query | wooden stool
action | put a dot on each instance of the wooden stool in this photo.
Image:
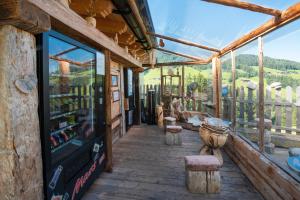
(202, 174)
(173, 136)
(169, 121)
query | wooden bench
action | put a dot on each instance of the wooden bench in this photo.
(202, 174)
(173, 135)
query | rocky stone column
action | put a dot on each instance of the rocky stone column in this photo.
(20, 145)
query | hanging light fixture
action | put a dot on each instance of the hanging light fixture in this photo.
(161, 43)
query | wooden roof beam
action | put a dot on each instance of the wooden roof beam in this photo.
(179, 54)
(184, 42)
(136, 13)
(70, 23)
(247, 6)
(288, 15)
(66, 51)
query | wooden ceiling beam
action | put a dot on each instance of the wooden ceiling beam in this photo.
(290, 14)
(70, 23)
(179, 54)
(184, 42)
(246, 6)
(136, 13)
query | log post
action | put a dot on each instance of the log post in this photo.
(182, 90)
(161, 84)
(289, 108)
(261, 103)
(298, 108)
(108, 137)
(216, 71)
(137, 110)
(242, 106)
(21, 167)
(278, 109)
(250, 103)
(233, 111)
(268, 104)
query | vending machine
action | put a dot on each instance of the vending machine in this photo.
(72, 115)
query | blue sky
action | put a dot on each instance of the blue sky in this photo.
(216, 25)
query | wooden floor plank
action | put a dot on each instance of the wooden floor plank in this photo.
(146, 168)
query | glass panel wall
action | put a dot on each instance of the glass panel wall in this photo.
(282, 96)
(226, 92)
(247, 91)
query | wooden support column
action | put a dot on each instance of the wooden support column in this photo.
(182, 91)
(161, 83)
(137, 110)
(219, 73)
(261, 124)
(217, 81)
(233, 111)
(108, 119)
(21, 166)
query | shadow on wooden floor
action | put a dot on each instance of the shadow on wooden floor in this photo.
(146, 168)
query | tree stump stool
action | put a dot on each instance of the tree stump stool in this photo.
(202, 174)
(269, 146)
(169, 121)
(173, 135)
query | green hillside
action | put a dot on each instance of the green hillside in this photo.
(276, 70)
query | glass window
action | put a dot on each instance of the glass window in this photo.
(202, 22)
(71, 97)
(282, 95)
(247, 90)
(226, 93)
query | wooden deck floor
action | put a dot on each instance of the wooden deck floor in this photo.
(145, 168)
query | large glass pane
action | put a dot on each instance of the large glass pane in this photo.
(71, 97)
(202, 22)
(226, 87)
(247, 90)
(282, 95)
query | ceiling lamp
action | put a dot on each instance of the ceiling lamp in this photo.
(161, 43)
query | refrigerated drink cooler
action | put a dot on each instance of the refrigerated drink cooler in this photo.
(71, 77)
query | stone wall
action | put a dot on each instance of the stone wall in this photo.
(20, 146)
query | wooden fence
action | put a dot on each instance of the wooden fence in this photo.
(188, 104)
(282, 108)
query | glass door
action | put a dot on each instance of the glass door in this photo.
(71, 97)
